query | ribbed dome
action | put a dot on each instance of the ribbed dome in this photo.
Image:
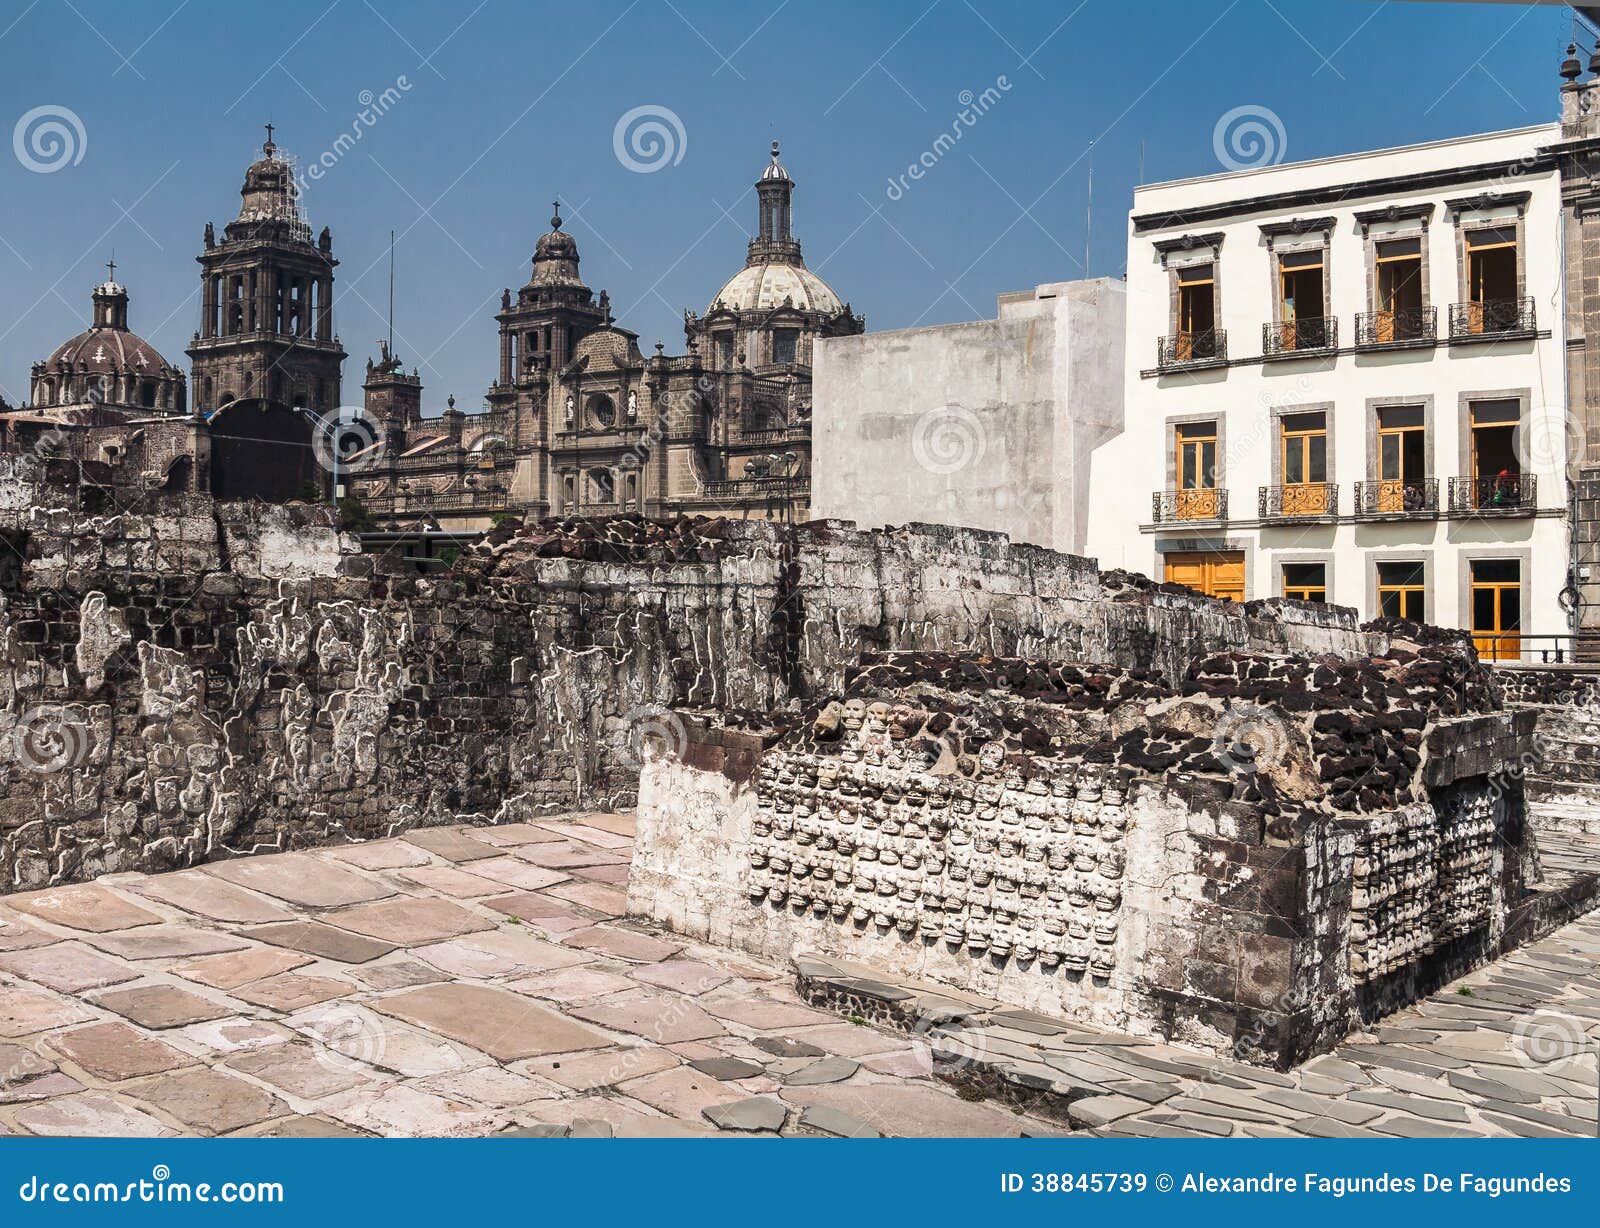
(107, 351)
(761, 287)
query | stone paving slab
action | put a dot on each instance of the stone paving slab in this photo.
(87, 906)
(205, 895)
(478, 981)
(323, 941)
(306, 879)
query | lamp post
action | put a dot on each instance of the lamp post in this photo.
(329, 427)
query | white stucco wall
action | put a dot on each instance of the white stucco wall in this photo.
(984, 425)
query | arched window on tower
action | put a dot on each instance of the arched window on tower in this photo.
(147, 393)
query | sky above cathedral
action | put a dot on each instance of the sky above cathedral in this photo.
(942, 149)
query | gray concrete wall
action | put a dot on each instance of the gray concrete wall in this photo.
(985, 425)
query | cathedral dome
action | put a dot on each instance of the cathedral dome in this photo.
(108, 347)
(109, 351)
(761, 287)
(107, 362)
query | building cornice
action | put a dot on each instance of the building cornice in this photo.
(1488, 200)
(1184, 243)
(1395, 213)
(1334, 194)
(1297, 226)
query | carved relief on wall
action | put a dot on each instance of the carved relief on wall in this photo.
(883, 832)
(1423, 876)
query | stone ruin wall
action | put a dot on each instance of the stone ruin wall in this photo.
(1562, 770)
(200, 680)
(1109, 870)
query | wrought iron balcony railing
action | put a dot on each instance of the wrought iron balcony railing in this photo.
(1304, 335)
(1405, 326)
(1210, 503)
(1492, 318)
(1298, 501)
(1192, 349)
(1398, 497)
(1510, 493)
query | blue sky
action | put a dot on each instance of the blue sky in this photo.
(506, 104)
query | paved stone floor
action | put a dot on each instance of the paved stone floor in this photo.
(482, 980)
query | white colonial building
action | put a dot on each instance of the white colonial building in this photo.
(1345, 382)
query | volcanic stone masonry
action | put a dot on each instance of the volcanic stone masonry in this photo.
(185, 679)
(1248, 861)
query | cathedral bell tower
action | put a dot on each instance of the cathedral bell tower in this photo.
(266, 324)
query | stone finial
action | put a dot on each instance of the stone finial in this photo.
(1594, 59)
(1571, 70)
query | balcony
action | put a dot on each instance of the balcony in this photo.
(1304, 501)
(1188, 351)
(1182, 506)
(1304, 337)
(1397, 498)
(1398, 329)
(1506, 494)
(767, 487)
(1492, 320)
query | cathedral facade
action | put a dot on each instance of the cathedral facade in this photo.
(578, 420)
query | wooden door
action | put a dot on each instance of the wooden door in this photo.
(1214, 573)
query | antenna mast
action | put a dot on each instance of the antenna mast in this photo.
(391, 292)
(1088, 221)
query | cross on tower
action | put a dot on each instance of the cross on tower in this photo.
(268, 145)
(111, 270)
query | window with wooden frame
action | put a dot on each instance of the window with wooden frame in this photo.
(1305, 581)
(1402, 458)
(1398, 286)
(1197, 312)
(1496, 466)
(1196, 464)
(1401, 590)
(1301, 323)
(1497, 608)
(1491, 278)
(1304, 454)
